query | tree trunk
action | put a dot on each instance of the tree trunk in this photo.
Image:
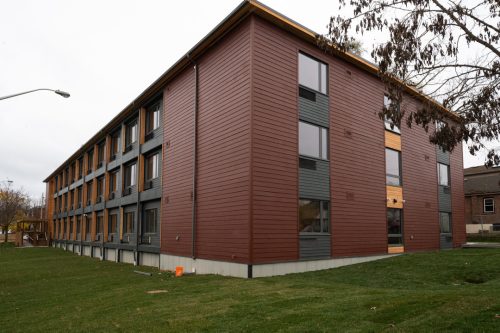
(6, 232)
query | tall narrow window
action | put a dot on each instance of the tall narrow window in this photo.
(115, 144)
(100, 154)
(112, 223)
(80, 167)
(100, 189)
(113, 178)
(313, 74)
(90, 161)
(445, 222)
(89, 193)
(389, 105)
(79, 196)
(152, 166)
(130, 176)
(393, 167)
(78, 227)
(153, 117)
(88, 224)
(488, 205)
(313, 141)
(314, 216)
(99, 224)
(443, 174)
(394, 227)
(128, 222)
(150, 221)
(130, 134)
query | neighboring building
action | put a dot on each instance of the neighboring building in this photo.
(258, 154)
(482, 195)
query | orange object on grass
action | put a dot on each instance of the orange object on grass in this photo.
(179, 271)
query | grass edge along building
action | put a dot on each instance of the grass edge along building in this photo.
(258, 154)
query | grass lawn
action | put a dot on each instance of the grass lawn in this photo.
(49, 290)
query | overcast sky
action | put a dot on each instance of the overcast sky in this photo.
(105, 53)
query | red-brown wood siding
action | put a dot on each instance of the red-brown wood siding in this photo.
(177, 170)
(357, 162)
(457, 196)
(420, 189)
(274, 145)
(224, 149)
(223, 154)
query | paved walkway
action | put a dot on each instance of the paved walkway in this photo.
(481, 245)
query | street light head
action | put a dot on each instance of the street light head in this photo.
(62, 93)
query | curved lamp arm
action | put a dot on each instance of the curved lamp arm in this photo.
(59, 92)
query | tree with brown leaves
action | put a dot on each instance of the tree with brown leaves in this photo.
(447, 49)
(13, 204)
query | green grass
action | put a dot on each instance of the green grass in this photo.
(49, 290)
(488, 238)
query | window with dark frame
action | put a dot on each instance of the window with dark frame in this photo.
(99, 224)
(89, 192)
(389, 124)
(313, 141)
(443, 174)
(112, 223)
(113, 177)
(79, 193)
(313, 74)
(445, 222)
(88, 226)
(392, 167)
(394, 227)
(314, 216)
(153, 117)
(78, 227)
(152, 168)
(129, 177)
(100, 154)
(150, 221)
(72, 200)
(488, 205)
(115, 144)
(128, 222)
(80, 168)
(130, 134)
(90, 161)
(100, 189)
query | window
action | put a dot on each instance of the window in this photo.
(113, 183)
(150, 218)
(66, 177)
(314, 216)
(89, 192)
(100, 154)
(443, 174)
(73, 172)
(80, 167)
(394, 227)
(71, 200)
(130, 175)
(78, 226)
(445, 222)
(100, 188)
(153, 117)
(55, 186)
(90, 161)
(131, 133)
(115, 144)
(99, 224)
(65, 202)
(128, 222)
(313, 141)
(389, 124)
(312, 74)
(88, 223)
(112, 223)
(392, 167)
(152, 166)
(65, 228)
(488, 205)
(70, 227)
(79, 196)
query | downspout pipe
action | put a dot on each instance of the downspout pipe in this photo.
(195, 158)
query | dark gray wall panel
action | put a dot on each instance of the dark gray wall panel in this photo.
(444, 199)
(442, 157)
(315, 112)
(315, 184)
(152, 143)
(314, 246)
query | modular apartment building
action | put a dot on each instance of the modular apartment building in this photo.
(258, 154)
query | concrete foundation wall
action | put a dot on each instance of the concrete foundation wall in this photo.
(127, 256)
(149, 259)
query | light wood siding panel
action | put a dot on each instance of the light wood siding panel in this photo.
(392, 140)
(223, 206)
(395, 197)
(420, 214)
(315, 184)
(274, 145)
(457, 196)
(314, 112)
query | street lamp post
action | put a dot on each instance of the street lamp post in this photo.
(59, 92)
